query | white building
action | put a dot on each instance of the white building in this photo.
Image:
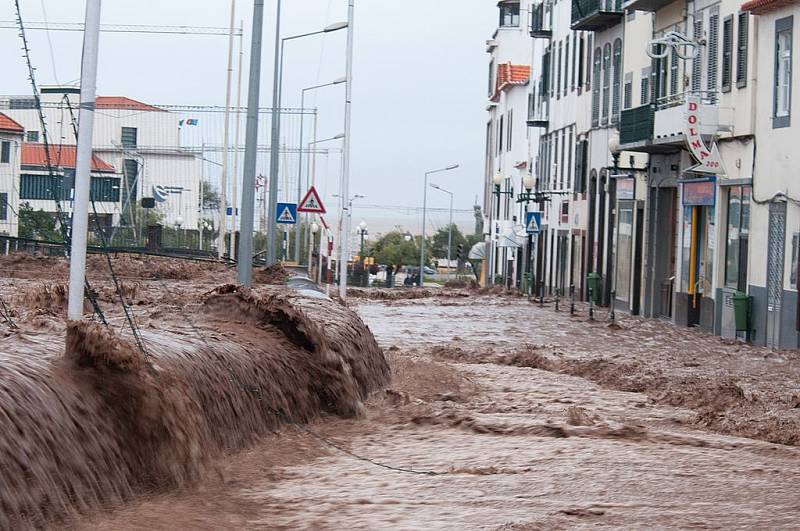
(767, 241)
(507, 160)
(11, 134)
(141, 142)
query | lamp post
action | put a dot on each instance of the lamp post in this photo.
(300, 163)
(450, 226)
(344, 224)
(613, 147)
(274, 167)
(314, 230)
(528, 183)
(424, 219)
(497, 181)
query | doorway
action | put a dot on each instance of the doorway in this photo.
(775, 265)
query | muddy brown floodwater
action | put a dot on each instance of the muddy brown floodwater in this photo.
(530, 420)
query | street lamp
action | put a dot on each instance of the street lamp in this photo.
(497, 181)
(449, 227)
(300, 164)
(613, 147)
(424, 215)
(276, 120)
(346, 220)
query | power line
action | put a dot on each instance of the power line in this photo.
(126, 28)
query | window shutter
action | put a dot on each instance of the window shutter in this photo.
(697, 63)
(741, 49)
(615, 97)
(606, 82)
(628, 94)
(713, 52)
(596, 89)
(673, 73)
(578, 165)
(727, 52)
(546, 73)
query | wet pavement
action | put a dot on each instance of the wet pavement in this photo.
(504, 415)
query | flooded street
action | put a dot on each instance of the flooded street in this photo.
(504, 415)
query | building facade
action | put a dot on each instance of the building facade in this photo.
(662, 168)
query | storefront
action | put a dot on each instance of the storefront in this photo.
(694, 303)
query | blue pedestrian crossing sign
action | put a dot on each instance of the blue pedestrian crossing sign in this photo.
(533, 222)
(286, 214)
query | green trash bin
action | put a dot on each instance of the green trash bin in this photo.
(593, 284)
(741, 307)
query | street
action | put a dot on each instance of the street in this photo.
(504, 415)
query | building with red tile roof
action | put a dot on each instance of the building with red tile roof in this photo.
(8, 125)
(62, 156)
(510, 75)
(759, 7)
(123, 103)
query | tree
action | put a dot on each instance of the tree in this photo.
(38, 224)
(211, 199)
(392, 248)
(439, 245)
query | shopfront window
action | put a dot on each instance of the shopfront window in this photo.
(737, 237)
(624, 249)
(699, 237)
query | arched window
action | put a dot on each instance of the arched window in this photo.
(615, 96)
(596, 88)
(606, 81)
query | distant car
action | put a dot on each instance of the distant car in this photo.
(429, 271)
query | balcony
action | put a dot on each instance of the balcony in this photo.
(646, 5)
(596, 15)
(541, 26)
(659, 128)
(539, 117)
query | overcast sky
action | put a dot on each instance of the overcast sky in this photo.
(419, 79)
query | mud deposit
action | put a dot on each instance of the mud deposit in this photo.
(99, 422)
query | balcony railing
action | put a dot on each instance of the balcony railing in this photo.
(596, 15)
(636, 125)
(541, 27)
(539, 117)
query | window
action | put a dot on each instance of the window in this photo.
(129, 135)
(727, 52)
(131, 169)
(596, 89)
(569, 146)
(5, 152)
(606, 82)
(627, 92)
(566, 66)
(737, 237)
(659, 85)
(558, 71)
(545, 91)
(741, 50)
(43, 187)
(491, 78)
(574, 63)
(673, 73)
(3, 207)
(783, 72)
(580, 63)
(501, 131)
(589, 47)
(713, 51)
(615, 95)
(645, 95)
(552, 78)
(510, 129)
(509, 15)
(21, 103)
(697, 63)
(561, 165)
(31, 136)
(555, 161)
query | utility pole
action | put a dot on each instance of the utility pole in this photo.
(223, 187)
(274, 154)
(245, 263)
(83, 164)
(345, 191)
(234, 201)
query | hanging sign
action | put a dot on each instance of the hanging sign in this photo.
(533, 222)
(311, 203)
(709, 160)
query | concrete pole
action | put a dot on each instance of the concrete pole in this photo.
(223, 187)
(235, 195)
(345, 191)
(245, 263)
(297, 227)
(83, 164)
(274, 154)
(422, 237)
(450, 232)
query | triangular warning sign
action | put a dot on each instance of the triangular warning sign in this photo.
(532, 225)
(311, 203)
(286, 216)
